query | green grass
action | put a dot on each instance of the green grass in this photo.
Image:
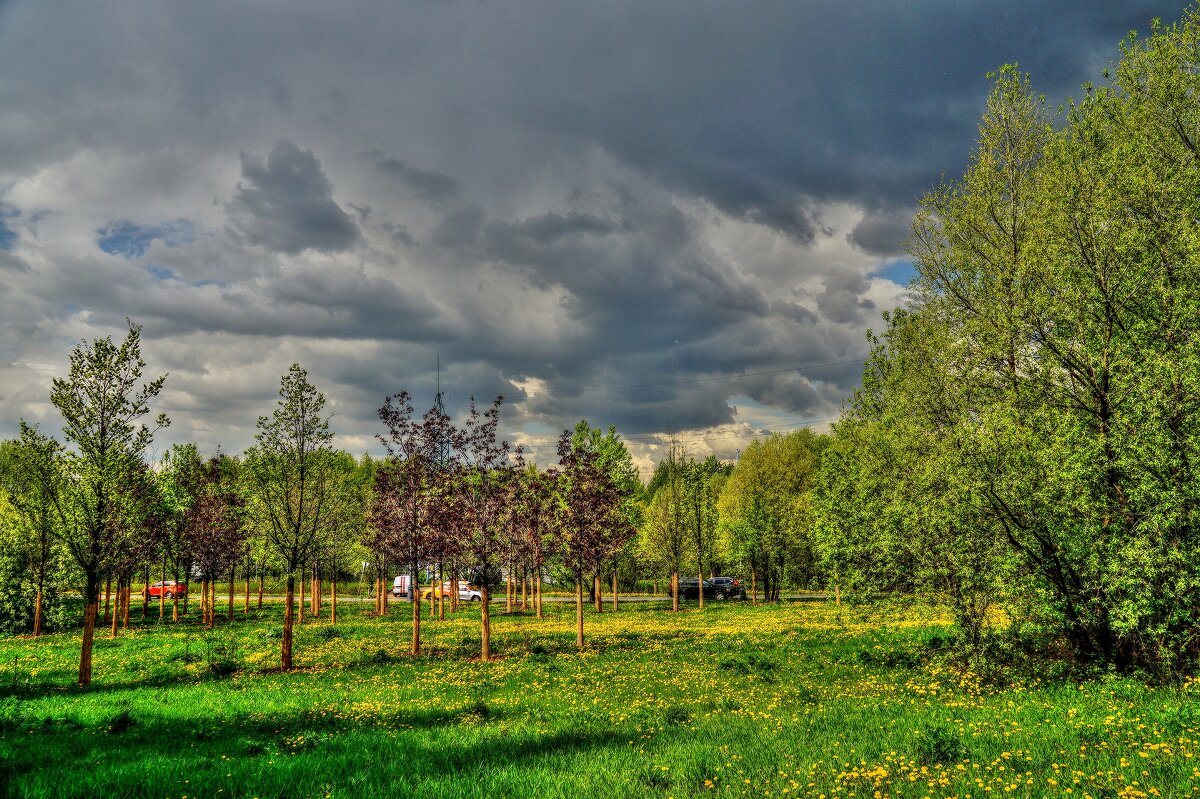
(734, 701)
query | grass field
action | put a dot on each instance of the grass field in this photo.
(734, 701)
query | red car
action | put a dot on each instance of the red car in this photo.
(167, 589)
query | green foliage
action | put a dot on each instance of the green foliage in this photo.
(765, 510)
(1026, 435)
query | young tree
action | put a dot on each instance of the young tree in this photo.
(700, 511)
(478, 497)
(296, 485)
(409, 509)
(664, 532)
(590, 522)
(101, 403)
(214, 527)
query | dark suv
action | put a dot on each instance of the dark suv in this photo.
(731, 586)
(714, 588)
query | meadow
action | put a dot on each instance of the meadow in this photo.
(798, 699)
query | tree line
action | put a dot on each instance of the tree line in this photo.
(448, 500)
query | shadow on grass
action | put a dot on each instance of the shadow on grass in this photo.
(132, 745)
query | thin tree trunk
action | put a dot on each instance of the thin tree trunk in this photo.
(162, 592)
(107, 596)
(232, 590)
(441, 593)
(175, 601)
(187, 589)
(485, 624)
(300, 606)
(597, 588)
(115, 611)
(285, 659)
(508, 596)
(89, 632)
(537, 592)
(333, 601)
(37, 614)
(146, 593)
(415, 600)
(675, 591)
(579, 611)
(524, 588)
(203, 603)
(753, 588)
(385, 595)
(700, 586)
(453, 587)
(246, 606)
(260, 589)
(616, 599)
(126, 600)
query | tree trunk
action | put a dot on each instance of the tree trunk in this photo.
(108, 608)
(260, 590)
(232, 590)
(579, 611)
(537, 592)
(126, 600)
(442, 593)
(675, 591)
(385, 593)
(187, 589)
(175, 602)
(415, 600)
(246, 606)
(700, 587)
(285, 658)
(753, 589)
(508, 596)
(300, 605)
(37, 614)
(524, 589)
(485, 624)
(107, 597)
(162, 592)
(453, 587)
(146, 593)
(616, 599)
(333, 601)
(89, 632)
(598, 590)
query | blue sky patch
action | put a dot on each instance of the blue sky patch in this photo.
(897, 271)
(129, 239)
(7, 234)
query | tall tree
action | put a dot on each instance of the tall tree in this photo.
(296, 484)
(663, 535)
(409, 508)
(590, 522)
(101, 401)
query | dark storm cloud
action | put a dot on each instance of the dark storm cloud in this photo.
(286, 204)
(628, 207)
(882, 232)
(432, 187)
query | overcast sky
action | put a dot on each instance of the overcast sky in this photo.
(667, 216)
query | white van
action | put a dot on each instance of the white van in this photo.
(401, 585)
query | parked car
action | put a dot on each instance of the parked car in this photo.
(466, 591)
(400, 585)
(718, 588)
(731, 586)
(167, 589)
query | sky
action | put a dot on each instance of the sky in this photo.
(679, 217)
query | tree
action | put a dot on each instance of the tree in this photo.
(1042, 390)
(409, 507)
(765, 509)
(615, 460)
(296, 483)
(101, 402)
(214, 527)
(478, 491)
(590, 521)
(663, 536)
(699, 506)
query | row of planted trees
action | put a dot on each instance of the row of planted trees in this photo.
(454, 495)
